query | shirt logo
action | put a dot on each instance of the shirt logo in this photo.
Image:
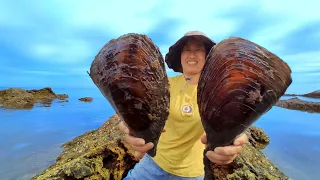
(186, 109)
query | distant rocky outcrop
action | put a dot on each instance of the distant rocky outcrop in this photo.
(62, 96)
(86, 99)
(298, 104)
(103, 154)
(291, 95)
(314, 94)
(18, 98)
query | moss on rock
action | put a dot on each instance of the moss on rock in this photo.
(17, 98)
(103, 154)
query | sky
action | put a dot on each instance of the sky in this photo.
(52, 43)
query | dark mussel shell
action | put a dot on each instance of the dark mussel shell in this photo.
(239, 83)
(129, 71)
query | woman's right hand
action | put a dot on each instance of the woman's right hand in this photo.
(137, 144)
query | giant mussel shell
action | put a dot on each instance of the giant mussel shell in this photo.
(239, 83)
(129, 71)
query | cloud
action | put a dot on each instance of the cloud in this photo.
(252, 21)
(53, 72)
(43, 34)
(64, 51)
(303, 60)
(161, 33)
(294, 11)
(118, 16)
(305, 38)
(55, 39)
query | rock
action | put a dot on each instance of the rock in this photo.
(291, 95)
(62, 96)
(99, 154)
(250, 165)
(44, 93)
(103, 154)
(314, 94)
(298, 104)
(257, 137)
(17, 98)
(86, 99)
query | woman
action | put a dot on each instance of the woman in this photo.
(180, 147)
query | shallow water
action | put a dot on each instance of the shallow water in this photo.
(31, 139)
(294, 141)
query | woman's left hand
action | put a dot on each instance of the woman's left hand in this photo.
(226, 155)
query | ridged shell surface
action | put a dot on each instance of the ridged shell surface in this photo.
(239, 83)
(129, 71)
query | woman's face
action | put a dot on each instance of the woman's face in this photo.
(193, 57)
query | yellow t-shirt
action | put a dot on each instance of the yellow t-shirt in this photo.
(180, 151)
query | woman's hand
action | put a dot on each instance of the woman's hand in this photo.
(137, 144)
(226, 155)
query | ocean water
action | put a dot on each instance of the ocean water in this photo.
(30, 139)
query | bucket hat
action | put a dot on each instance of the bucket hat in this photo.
(173, 57)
